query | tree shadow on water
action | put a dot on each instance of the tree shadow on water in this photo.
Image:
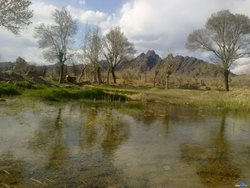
(213, 165)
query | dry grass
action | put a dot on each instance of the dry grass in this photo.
(236, 99)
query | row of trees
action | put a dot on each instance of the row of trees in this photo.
(55, 40)
(225, 36)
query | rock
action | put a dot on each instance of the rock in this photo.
(2, 100)
(167, 168)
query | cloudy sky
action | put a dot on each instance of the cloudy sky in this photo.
(162, 25)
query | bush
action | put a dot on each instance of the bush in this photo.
(8, 91)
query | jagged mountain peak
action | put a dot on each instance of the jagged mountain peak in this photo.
(145, 61)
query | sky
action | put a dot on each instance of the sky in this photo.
(161, 25)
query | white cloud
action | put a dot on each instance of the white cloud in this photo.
(92, 17)
(88, 16)
(25, 45)
(242, 66)
(82, 2)
(164, 25)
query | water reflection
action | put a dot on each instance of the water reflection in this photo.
(116, 132)
(76, 145)
(90, 129)
(49, 139)
(214, 165)
(66, 158)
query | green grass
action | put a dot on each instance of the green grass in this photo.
(87, 93)
(7, 89)
(238, 99)
(18, 87)
(58, 92)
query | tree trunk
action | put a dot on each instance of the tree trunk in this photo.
(61, 77)
(61, 62)
(108, 76)
(113, 75)
(156, 73)
(167, 82)
(95, 79)
(226, 78)
(99, 75)
(82, 73)
(145, 77)
(44, 71)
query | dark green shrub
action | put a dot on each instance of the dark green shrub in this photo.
(88, 93)
(8, 91)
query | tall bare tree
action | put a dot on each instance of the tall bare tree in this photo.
(168, 65)
(117, 50)
(92, 49)
(56, 38)
(163, 71)
(225, 37)
(15, 14)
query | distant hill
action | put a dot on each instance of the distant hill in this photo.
(148, 61)
(183, 65)
(194, 67)
(145, 62)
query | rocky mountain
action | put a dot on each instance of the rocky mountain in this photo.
(182, 65)
(193, 67)
(148, 61)
(145, 62)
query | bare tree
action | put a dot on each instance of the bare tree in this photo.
(224, 36)
(163, 71)
(14, 15)
(57, 37)
(117, 50)
(21, 66)
(169, 62)
(79, 57)
(92, 49)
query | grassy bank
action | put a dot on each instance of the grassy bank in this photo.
(234, 100)
(237, 100)
(58, 92)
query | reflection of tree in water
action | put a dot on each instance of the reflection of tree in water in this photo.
(49, 138)
(87, 168)
(90, 130)
(116, 132)
(113, 131)
(216, 169)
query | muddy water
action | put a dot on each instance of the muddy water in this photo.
(82, 145)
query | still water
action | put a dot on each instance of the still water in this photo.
(81, 145)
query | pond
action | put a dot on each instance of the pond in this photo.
(89, 145)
